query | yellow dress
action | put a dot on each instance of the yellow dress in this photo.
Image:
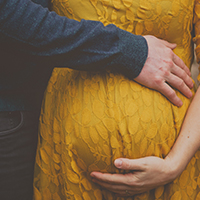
(90, 119)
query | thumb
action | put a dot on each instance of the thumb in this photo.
(129, 164)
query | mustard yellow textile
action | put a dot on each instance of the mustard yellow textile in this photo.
(89, 119)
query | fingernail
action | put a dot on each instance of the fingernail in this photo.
(193, 82)
(118, 163)
(180, 104)
(92, 175)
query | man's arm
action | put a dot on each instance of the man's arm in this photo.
(87, 45)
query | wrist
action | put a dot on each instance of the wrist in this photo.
(133, 53)
(175, 166)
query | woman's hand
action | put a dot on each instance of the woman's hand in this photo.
(150, 172)
(146, 174)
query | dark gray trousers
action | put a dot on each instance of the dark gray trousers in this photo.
(18, 141)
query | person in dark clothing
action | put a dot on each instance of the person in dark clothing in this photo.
(33, 40)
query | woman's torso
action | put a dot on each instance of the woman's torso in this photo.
(89, 119)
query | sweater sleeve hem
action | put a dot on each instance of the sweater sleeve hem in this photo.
(134, 52)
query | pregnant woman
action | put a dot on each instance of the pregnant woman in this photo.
(89, 119)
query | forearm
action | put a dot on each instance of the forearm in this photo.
(188, 140)
(85, 45)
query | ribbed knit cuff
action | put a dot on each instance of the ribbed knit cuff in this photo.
(134, 51)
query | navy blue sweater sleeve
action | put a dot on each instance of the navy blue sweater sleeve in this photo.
(59, 41)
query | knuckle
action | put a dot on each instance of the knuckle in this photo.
(158, 80)
(131, 181)
(183, 75)
(128, 165)
(181, 63)
(136, 183)
(167, 66)
(170, 63)
(181, 84)
(170, 52)
(166, 72)
(171, 94)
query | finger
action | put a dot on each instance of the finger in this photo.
(119, 188)
(179, 72)
(169, 45)
(168, 92)
(126, 193)
(113, 178)
(179, 84)
(130, 164)
(179, 62)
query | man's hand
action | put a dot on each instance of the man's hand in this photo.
(163, 70)
(146, 174)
